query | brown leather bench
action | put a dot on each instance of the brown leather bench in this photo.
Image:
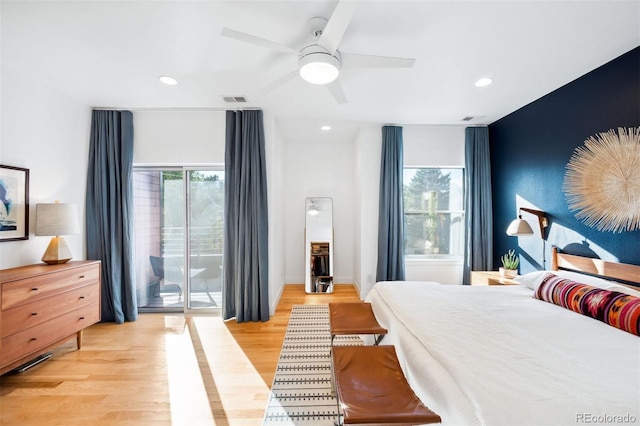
(354, 318)
(372, 389)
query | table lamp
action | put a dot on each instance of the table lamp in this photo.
(56, 219)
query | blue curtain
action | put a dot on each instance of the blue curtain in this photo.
(391, 215)
(246, 257)
(109, 212)
(478, 250)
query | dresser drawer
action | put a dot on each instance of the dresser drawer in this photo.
(32, 339)
(25, 316)
(28, 290)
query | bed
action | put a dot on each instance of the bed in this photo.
(496, 355)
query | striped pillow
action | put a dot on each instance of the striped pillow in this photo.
(612, 307)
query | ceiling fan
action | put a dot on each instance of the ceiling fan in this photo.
(321, 62)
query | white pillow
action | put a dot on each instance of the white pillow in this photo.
(533, 280)
(624, 289)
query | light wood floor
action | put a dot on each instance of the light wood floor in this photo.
(163, 369)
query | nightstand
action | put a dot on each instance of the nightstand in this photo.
(490, 278)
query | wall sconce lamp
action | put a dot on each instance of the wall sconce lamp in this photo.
(520, 227)
(55, 219)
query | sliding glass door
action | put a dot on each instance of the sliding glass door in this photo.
(179, 215)
(205, 212)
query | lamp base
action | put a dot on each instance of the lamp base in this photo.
(57, 252)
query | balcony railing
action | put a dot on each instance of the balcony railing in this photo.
(203, 241)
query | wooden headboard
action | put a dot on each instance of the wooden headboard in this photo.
(603, 268)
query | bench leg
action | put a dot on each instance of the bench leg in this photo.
(333, 378)
(340, 421)
(333, 391)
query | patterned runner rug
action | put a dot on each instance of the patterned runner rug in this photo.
(301, 391)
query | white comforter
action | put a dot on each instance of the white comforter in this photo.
(496, 356)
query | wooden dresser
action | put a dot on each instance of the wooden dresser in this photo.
(44, 305)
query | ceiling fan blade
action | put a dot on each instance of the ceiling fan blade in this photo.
(355, 60)
(337, 25)
(335, 88)
(279, 82)
(259, 41)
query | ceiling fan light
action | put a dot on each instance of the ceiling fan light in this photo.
(313, 209)
(319, 68)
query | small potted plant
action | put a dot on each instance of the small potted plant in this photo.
(510, 263)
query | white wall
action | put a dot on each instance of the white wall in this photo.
(274, 151)
(433, 146)
(444, 271)
(318, 170)
(48, 133)
(178, 137)
(367, 170)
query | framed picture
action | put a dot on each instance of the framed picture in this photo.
(14, 203)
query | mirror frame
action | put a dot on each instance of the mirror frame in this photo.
(318, 213)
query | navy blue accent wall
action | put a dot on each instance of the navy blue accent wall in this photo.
(529, 152)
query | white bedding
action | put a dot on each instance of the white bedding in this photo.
(496, 356)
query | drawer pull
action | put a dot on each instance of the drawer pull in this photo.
(33, 339)
(81, 297)
(81, 277)
(81, 318)
(34, 289)
(33, 314)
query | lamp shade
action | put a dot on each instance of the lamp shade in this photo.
(54, 219)
(518, 227)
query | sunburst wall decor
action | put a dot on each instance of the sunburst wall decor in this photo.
(602, 180)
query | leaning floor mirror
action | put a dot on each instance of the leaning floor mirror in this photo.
(318, 234)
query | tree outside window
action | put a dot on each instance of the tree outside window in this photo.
(433, 211)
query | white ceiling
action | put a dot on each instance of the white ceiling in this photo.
(111, 53)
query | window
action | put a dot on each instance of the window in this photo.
(434, 212)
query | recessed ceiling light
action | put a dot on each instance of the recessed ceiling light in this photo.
(325, 128)
(170, 81)
(483, 82)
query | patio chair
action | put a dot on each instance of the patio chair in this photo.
(169, 273)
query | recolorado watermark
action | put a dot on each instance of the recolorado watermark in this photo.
(591, 418)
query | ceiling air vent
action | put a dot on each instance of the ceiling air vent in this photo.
(235, 99)
(473, 118)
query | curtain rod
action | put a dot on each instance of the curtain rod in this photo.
(173, 109)
(204, 109)
(438, 125)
